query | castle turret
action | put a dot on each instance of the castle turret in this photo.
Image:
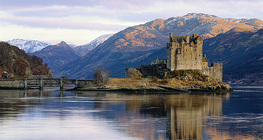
(187, 39)
(184, 52)
(171, 37)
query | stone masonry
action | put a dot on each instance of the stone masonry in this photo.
(184, 52)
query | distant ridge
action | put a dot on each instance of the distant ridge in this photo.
(57, 55)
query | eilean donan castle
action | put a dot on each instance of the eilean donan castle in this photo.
(184, 53)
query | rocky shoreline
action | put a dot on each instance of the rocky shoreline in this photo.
(144, 86)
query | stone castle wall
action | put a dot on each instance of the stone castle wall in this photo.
(215, 71)
(184, 52)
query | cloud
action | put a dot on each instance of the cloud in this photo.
(112, 4)
(114, 15)
(50, 35)
(67, 23)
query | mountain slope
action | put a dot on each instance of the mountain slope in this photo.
(203, 24)
(241, 53)
(57, 55)
(29, 46)
(137, 42)
(18, 64)
(84, 49)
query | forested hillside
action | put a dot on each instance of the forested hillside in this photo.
(18, 64)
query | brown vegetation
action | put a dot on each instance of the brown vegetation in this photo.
(134, 74)
(188, 75)
(153, 83)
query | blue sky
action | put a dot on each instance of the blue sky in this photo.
(80, 21)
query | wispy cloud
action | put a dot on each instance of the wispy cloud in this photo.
(105, 16)
(67, 23)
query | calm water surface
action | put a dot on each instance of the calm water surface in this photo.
(32, 115)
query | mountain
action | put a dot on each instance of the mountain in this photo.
(18, 64)
(29, 46)
(84, 49)
(134, 44)
(239, 49)
(241, 53)
(57, 55)
(203, 24)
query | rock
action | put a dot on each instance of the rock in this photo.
(226, 87)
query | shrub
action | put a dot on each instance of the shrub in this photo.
(134, 74)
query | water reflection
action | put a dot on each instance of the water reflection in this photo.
(187, 112)
(183, 114)
(115, 116)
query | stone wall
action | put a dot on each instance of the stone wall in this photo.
(215, 71)
(159, 61)
(184, 52)
(152, 70)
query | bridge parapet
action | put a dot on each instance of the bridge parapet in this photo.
(40, 83)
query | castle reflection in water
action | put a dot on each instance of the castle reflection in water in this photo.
(184, 113)
(158, 116)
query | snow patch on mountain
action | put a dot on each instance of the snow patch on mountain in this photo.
(98, 41)
(29, 46)
(84, 49)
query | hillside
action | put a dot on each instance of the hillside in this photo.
(57, 55)
(19, 65)
(241, 53)
(138, 42)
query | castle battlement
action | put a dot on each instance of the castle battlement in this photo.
(180, 39)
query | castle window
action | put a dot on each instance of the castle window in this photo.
(178, 51)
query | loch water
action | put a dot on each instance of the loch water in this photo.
(55, 115)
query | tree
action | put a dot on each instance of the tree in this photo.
(101, 75)
(97, 77)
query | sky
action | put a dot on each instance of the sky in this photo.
(81, 21)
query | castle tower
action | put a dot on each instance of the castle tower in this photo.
(184, 52)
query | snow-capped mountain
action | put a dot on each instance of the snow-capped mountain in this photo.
(29, 46)
(84, 49)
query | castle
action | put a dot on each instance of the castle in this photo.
(183, 53)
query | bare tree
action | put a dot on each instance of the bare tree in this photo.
(101, 75)
(97, 77)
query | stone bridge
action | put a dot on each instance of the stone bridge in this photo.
(40, 83)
